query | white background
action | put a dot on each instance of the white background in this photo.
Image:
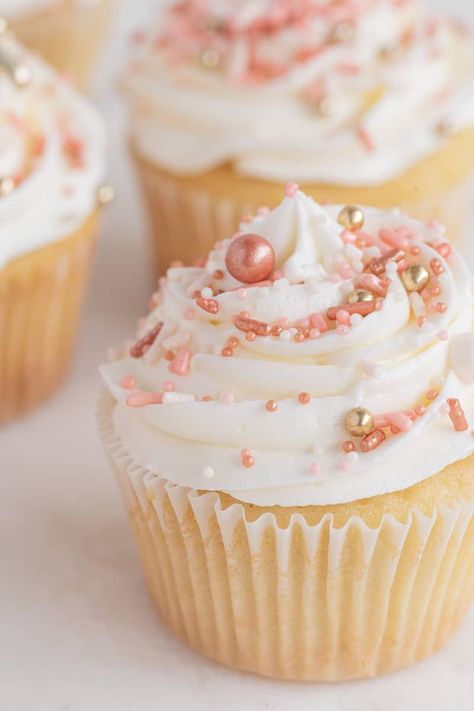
(77, 630)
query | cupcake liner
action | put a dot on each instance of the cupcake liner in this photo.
(68, 34)
(187, 219)
(305, 602)
(40, 298)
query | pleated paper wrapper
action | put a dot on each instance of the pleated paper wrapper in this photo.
(68, 34)
(186, 220)
(41, 295)
(306, 602)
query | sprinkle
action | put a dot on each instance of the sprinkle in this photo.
(365, 138)
(441, 307)
(128, 382)
(443, 335)
(318, 321)
(168, 386)
(141, 399)
(247, 458)
(372, 441)
(250, 336)
(348, 446)
(364, 308)
(343, 317)
(271, 405)
(209, 305)
(304, 398)
(285, 336)
(457, 416)
(415, 251)
(432, 394)
(299, 337)
(315, 468)
(207, 398)
(356, 320)
(232, 342)
(444, 249)
(227, 398)
(276, 331)
(218, 274)
(181, 364)
(142, 345)
(378, 265)
(315, 333)
(436, 266)
(420, 410)
(208, 473)
(421, 321)
(284, 322)
(291, 189)
(172, 398)
(246, 324)
(227, 352)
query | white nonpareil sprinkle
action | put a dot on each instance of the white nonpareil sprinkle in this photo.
(207, 292)
(208, 473)
(173, 398)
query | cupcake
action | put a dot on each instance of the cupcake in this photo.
(360, 101)
(52, 157)
(291, 434)
(67, 33)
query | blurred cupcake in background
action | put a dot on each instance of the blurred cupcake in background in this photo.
(360, 101)
(67, 33)
(52, 156)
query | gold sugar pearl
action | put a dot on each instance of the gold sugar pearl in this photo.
(359, 422)
(105, 195)
(7, 186)
(360, 295)
(415, 277)
(351, 218)
(211, 58)
(325, 106)
(342, 32)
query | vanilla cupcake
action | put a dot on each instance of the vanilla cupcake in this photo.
(52, 154)
(67, 33)
(291, 434)
(364, 102)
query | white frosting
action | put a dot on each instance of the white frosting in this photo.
(189, 119)
(385, 362)
(55, 191)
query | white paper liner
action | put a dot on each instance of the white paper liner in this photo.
(306, 602)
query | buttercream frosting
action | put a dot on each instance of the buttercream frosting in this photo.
(52, 155)
(349, 93)
(193, 404)
(12, 9)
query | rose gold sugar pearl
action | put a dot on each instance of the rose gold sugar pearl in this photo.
(206, 398)
(276, 330)
(246, 458)
(169, 355)
(298, 337)
(232, 342)
(420, 410)
(227, 352)
(218, 274)
(168, 386)
(304, 398)
(432, 394)
(415, 251)
(348, 446)
(271, 405)
(441, 307)
(435, 290)
(250, 336)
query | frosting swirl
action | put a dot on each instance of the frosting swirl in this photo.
(52, 148)
(245, 388)
(349, 93)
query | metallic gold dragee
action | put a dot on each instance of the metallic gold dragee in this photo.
(351, 217)
(359, 422)
(19, 72)
(105, 195)
(415, 277)
(211, 58)
(325, 106)
(359, 295)
(342, 32)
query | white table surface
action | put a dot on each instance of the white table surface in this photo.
(77, 630)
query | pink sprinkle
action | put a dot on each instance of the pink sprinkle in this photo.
(189, 314)
(392, 238)
(291, 189)
(371, 282)
(168, 386)
(315, 333)
(342, 329)
(443, 335)
(128, 382)
(421, 321)
(348, 237)
(227, 398)
(181, 364)
(345, 271)
(141, 399)
(432, 394)
(343, 317)
(365, 138)
(284, 322)
(241, 294)
(315, 468)
(318, 321)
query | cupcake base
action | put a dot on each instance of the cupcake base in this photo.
(68, 35)
(189, 214)
(41, 295)
(312, 593)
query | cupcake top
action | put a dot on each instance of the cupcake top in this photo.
(321, 355)
(52, 154)
(350, 92)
